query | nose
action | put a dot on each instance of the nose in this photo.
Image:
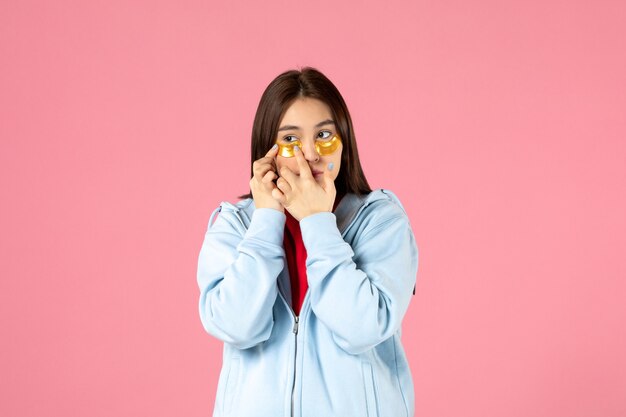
(309, 151)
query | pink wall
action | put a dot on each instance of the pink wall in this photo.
(507, 121)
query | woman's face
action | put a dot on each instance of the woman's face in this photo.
(306, 120)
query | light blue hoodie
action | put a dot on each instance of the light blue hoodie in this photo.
(343, 355)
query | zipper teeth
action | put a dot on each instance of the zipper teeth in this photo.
(306, 295)
(295, 331)
(295, 358)
(296, 318)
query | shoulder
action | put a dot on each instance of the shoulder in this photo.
(382, 227)
(383, 204)
(381, 208)
(227, 212)
(241, 205)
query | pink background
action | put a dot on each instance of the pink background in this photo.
(124, 123)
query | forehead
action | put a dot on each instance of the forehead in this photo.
(305, 111)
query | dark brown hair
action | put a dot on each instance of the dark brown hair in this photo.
(279, 94)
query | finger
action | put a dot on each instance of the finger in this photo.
(283, 185)
(261, 166)
(269, 156)
(260, 170)
(305, 170)
(268, 177)
(279, 196)
(328, 183)
(288, 175)
(273, 151)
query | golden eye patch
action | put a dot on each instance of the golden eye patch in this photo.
(323, 147)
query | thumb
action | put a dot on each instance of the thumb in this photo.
(329, 183)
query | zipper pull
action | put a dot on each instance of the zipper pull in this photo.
(295, 326)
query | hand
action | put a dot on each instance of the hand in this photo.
(261, 183)
(301, 195)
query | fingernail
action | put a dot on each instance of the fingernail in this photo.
(330, 166)
(295, 147)
(275, 146)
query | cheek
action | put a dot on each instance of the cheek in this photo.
(337, 157)
(336, 160)
(286, 162)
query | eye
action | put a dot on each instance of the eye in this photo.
(290, 138)
(324, 134)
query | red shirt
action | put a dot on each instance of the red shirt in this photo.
(296, 258)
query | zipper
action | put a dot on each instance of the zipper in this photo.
(295, 329)
(295, 357)
(306, 295)
(296, 324)
(297, 318)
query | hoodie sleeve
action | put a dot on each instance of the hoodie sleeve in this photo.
(237, 271)
(361, 293)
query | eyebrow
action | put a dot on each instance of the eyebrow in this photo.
(320, 124)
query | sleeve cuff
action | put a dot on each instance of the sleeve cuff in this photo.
(267, 224)
(319, 230)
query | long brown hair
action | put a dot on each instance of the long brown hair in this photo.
(279, 94)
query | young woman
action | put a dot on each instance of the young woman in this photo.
(306, 280)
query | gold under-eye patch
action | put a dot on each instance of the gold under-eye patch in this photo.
(323, 147)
